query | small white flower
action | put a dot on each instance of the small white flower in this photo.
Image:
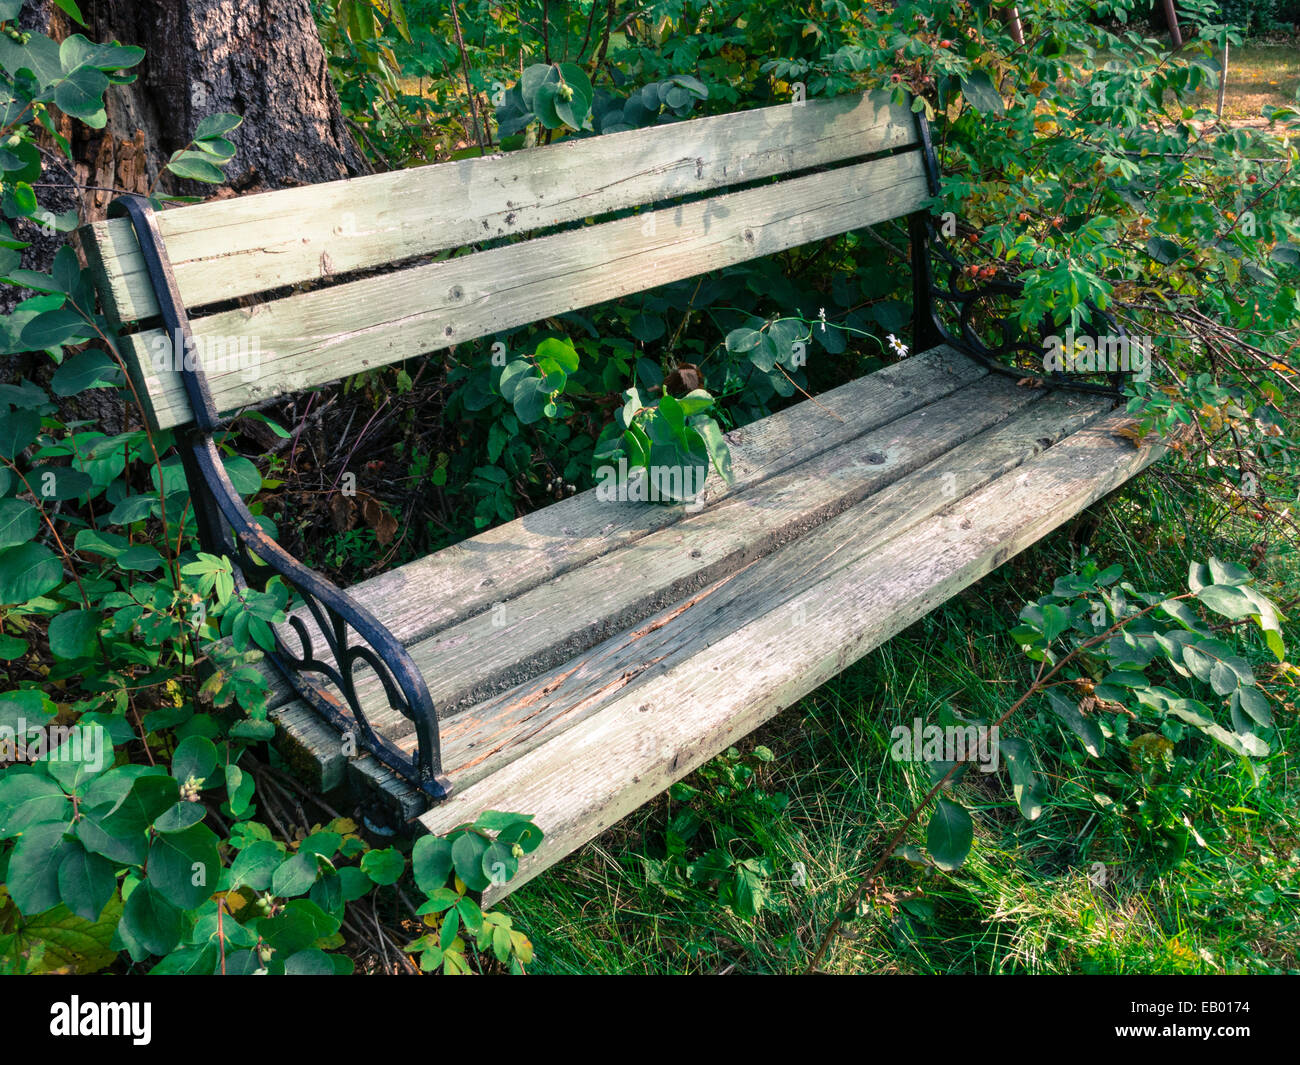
(897, 346)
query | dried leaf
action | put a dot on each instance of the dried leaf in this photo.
(384, 524)
(343, 512)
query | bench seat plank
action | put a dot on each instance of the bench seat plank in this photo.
(722, 672)
(553, 622)
(550, 651)
(486, 736)
(431, 594)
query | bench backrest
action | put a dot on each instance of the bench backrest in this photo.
(755, 183)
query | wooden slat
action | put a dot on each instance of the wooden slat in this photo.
(229, 248)
(483, 737)
(487, 736)
(316, 337)
(544, 627)
(458, 582)
(754, 658)
(437, 591)
(483, 740)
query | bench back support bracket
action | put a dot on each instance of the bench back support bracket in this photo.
(227, 527)
(932, 259)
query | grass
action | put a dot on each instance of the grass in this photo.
(1259, 75)
(1032, 898)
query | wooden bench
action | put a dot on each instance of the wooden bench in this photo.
(573, 663)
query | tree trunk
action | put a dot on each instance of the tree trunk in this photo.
(260, 59)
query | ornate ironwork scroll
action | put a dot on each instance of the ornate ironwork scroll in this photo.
(977, 319)
(227, 527)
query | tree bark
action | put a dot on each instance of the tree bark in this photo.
(260, 59)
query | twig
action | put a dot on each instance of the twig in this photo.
(469, 88)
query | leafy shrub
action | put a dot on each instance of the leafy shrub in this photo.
(142, 822)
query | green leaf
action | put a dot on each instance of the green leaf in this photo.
(141, 559)
(86, 882)
(559, 351)
(196, 166)
(60, 483)
(18, 428)
(28, 798)
(431, 863)
(179, 817)
(65, 942)
(1026, 785)
(55, 328)
(309, 962)
(647, 327)
(256, 864)
(1055, 622)
(27, 571)
(949, 835)
(239, 789)
(980, 93)
(499, 863)
(85, 370)
(527, 835)
(1255, 704)
(530, 398)
(295, 876)
(19, 521)
(81, 95)
(741, 340)
(184, 866)
(296, 927)
(69, 8)
(80, 758)
(33, 874)
(217, 125)
(1164, 251)
(195, 756)
(243, 474)
(383, 866)
(1085, 728)
(1226, 600)
(151, 920)
(148, 796)
(467, 855)
(75, 634)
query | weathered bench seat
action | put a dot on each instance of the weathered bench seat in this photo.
(574, 662)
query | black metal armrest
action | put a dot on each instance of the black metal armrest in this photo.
(931, 257)
(1011, 351)
(227, 527)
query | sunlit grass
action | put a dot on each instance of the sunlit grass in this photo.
(1259, 76)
